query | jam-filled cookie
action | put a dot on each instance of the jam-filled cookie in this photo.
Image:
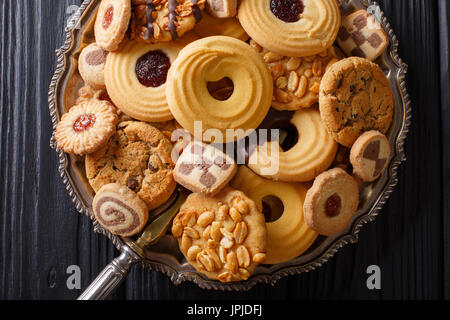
(293, 28)
(137, 156)
(223, 237)
(362, 36)
(370, 155)
(288, 236)
(355, 97)
(91, 66)
(164, 20)
(112, 22)
(222, 8)
(296, 81)
(136, 79)
(306, 151)
(202, 64)
(86, 128)
(331, 202)
(204, 169)
(119, 210)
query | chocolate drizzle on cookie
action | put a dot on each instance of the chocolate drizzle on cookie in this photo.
(198, 14)
(173, 18)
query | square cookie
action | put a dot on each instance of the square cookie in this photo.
(362, 36)
(204, 169)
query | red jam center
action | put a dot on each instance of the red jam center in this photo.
(108, 18)
(84, 122)
(333, 206)
(287, 10)
(152, 69)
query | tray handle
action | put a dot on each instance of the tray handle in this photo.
(111, 277)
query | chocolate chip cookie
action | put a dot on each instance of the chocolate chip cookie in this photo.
(139, 157)
(355, 97)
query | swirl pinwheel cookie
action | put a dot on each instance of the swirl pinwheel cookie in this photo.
(310, 150)
(154, 21)
(213, 59)
(137, 156)
(111, 23)
(293, 28)
(120, 210)
(86, 127)
(222, 237)
(355, 97)
(136, 79)
(288, 236)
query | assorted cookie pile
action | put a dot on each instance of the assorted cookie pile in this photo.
(163, 73)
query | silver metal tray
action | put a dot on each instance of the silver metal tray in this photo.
(165, 256)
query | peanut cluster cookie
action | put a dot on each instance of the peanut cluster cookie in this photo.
(164, 20)
(297, 80)
(137, 156)
(355, 97)
(223, 237)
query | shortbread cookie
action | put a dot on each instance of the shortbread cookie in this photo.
(229, 27)
(137, 156)
(119, 210)
(164, 20)
(331, 202)
(222, 237)
(204, 169)
(91, 66)
(214, 59)
(136, 79)
(312, 150)
(112, 22)
(370, 155)
(355, 97)
(291, 28)
(86, 128)
(296, 81)
(222, 8)
(288, 236)
(362, 36)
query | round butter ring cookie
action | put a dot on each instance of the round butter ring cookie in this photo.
(87, 127)
(355, 97)
(310, 150)
(370, 155)
(287, 237)
(91, 66)
(154, 21)
(296, 81)
(293, 28)
(214, 59)
(119, 210)
(229, 27)
(112, 22)
(331, 202)
(136, 79)
(137, 156)
(222, 237)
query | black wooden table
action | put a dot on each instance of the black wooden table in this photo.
(42, 234)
